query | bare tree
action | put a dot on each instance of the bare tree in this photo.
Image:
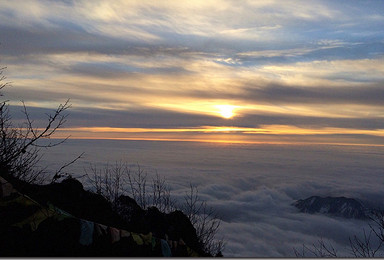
(371, 244)
(205, 220)
(161, 195)
(319, 249)
(108, 182)
(364, 247)
(377, 224)
(20, 146)
(60, 172)
(137, 181)
(368, 246)
(120, 179)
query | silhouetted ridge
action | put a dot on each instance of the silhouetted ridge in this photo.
(65, 210)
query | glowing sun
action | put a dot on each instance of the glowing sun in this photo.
(226, 111)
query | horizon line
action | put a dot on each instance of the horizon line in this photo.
(217, 141)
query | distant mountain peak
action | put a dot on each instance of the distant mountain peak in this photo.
(335, 206)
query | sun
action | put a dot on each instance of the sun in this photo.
(226, 111)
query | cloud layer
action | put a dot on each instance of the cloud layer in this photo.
(252, 187)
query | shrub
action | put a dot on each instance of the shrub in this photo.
(120, 179)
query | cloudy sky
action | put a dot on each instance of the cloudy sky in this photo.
(220, 70)
(215, 71)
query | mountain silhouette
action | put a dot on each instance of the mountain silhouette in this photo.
(335, 206)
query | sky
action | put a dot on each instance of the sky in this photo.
(218, 71)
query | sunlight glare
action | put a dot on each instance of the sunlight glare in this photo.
(226, 111)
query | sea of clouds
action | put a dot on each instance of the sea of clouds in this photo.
(252, 187)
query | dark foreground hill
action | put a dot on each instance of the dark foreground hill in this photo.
(335, 206)
(63, 219)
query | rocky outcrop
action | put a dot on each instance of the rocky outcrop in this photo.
(148, 229)
(69, 195)
(173, 226)
(335, 206)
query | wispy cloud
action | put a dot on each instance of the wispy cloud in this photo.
(313, 65)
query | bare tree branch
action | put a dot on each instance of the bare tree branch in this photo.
(59, 174)
(205, 220)
(19, 146)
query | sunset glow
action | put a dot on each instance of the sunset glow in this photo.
(276, 134)
(179, 65)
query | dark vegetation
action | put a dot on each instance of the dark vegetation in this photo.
(122, 200)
